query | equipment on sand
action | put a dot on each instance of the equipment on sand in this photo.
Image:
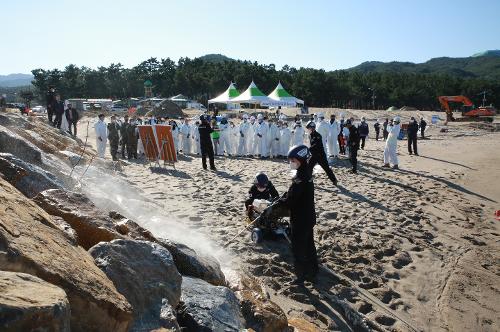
(268, 220)
(469, 112)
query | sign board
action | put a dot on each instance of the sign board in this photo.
(165, 142)
(148, 139)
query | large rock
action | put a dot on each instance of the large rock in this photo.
(206, 307)
(145, 273)
(189, 263)
(260, 313)
(12, 143)
(28, 303)
(27, 178)
(90, 224)
(30, 242)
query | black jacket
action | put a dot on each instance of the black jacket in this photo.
(376, 126)
(413, 129)
(58, 106)
(205, 130)
(270, 194)
(423, 124)
(300, 200)
(353, 138)
(363, 129)
(316, 143)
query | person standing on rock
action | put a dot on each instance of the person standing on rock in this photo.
(363, 130)
(317, 150)
(123, 135)
(101, 133)
(206, 146)
(412, 136)
(300, 200)
(391, 145)
(377, 129)
(113, 137)
(73, 118)
(58, 108)
(50, 98)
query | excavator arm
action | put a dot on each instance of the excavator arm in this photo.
(444, 101)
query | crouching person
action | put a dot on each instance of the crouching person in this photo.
(262, 188)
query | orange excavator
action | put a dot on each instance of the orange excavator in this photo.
(469, 112)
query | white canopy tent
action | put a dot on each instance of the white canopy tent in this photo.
(283, 98)
(253, 95)
(225, 97)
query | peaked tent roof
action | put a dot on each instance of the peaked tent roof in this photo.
(283, 98)
(226, 96)
(253, 95)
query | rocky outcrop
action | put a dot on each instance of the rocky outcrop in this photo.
(27, 178)
(90, 224)
(30, 242)
(206, 307)
(145, 273)
(12, 143)
(191, 264)
(260, 313)
(28, 303)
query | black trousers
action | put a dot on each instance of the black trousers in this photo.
(362, 139)
(412, 141)
(422, 132)
(207, 150)
(354, 159)
(323, 162)
(304, 252)
(132, 149)
(58, 120)
(377, 134)
(50, 114)
(72, 124)
(124, 146)
(386, 133)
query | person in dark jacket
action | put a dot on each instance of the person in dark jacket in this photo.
(58, 108)
(132, 139)
(318, 155)
(113, 137)
(123, 135)
(262, 188)
(412, 136)
(206, 146)
(377, 130)
(423, 124)
(50, 98)
(72, 116)
(385, 132)
(363, 130)
(354, 137)
(300, 200)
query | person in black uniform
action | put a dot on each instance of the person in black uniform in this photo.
(423, 124)
(300, 200)
(262, 188)
(49, 103)
(113, 137)
(354, 138)
(385, 132)
(377, 130)
(206, 146)
(412, 136)
(58, 109)
(363, 131)
(318, 155)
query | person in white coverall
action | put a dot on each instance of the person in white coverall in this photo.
(234, 134)
(285, 138)
(244, 131)
(251, 146)
(274, 139)
(185, 136)
(391, 145)
(195, 135)
(333, 137)
(225, 135)
(261, 137)
(298, 134)
(101, 134)
(323, 128)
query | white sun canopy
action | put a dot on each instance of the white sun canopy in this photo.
(253, 95)
(283, 98)
(225, 97)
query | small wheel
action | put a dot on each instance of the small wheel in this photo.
(256, 235)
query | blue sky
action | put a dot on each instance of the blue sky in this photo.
(320, 34)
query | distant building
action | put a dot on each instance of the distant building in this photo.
(148, 89)
(184, 102)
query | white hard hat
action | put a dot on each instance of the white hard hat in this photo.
(245, 116)
(260, 117)
(252, 117)
(397, 119)
(321, 115)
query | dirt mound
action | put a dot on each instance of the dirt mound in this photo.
(165, 109)
(409, 109)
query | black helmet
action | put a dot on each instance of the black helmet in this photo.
(311, 124)
(300, 152)
(261, 179)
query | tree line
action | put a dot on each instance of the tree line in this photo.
(202, 80)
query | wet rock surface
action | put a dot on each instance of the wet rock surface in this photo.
(190, 263)
(12, 143)
(145, 273)
(205, 307)
(28, 303)
(31, 242)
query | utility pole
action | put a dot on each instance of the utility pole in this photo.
(373, 97)
(484, 97)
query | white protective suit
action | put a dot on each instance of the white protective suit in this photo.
(298, 135)
(234, 133)
(175, 136)
(391, 145)
(195, 135)
(101, 133)
(286, 136)
(185, 138)
(322, 127)
(224, 140)
(261, 139)
(333, 139)
(274, 145)
(244, 134)
(252, 137)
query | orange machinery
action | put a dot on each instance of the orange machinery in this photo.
(469, 112)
